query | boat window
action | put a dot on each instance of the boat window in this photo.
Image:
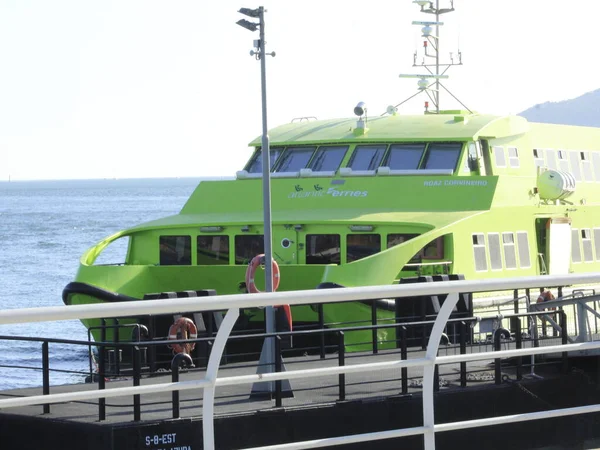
(360, 246)
(396, 239)
(115, 254)
(551, 159)
(247, 246)
(212, 250)
(255, 164)
(323, 249)
(510, 258)
(596, 164)
(597, 242)
(513, 156)
(404, 156)
(367, 157)
(328, 158)
(175, 250)
(563, 162)
(523, 244)
(434, 250)
(479, 252)
(575, 168)
(575, 250)
(587, 166)
(472, 159)
(538, 157)
(499, 156)
(495, 257)
(586, 241)
(294, 159)
(442, 156)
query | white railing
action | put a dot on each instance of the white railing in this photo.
(232, 303)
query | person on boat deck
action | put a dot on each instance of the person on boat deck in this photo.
(546, 296)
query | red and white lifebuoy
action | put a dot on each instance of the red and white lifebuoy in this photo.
(183, 328)
(256, 262)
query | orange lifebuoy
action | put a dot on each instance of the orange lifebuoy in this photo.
(257, 261)
(183, 328)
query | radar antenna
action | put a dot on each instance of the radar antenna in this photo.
(430, 57)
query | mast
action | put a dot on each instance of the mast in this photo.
(430, 82)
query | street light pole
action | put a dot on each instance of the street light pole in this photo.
(260, 53)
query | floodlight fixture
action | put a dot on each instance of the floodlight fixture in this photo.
(247, 24)
(360, 109)
(426, 24)
(421, 3)
(250, 12)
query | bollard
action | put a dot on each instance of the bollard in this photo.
(498, 334)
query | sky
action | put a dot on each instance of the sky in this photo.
(149, 88)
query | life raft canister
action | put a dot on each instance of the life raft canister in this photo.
(257, 261)
(183, 328)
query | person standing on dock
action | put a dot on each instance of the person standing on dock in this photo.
(545, 296)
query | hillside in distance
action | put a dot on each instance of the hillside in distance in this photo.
(583, 110)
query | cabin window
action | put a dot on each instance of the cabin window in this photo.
(510, 258)
(115, 253)
(442, 156)
(212, 250)
(495, 257)
(575, 250)
(175, 250)
(255, 164)
(523, 244)
(597, 243)
(294, 159)
(551, 159)
(538, 157)
(247, 246)
(323, 249)
(472, 159)
(586, 241)
(575, 168)
(563, 162)
(434, 250)
(360, 246)
(479, 252)
(397, 239)
(499, 156)
(513, 156)
(404, 156)
(328, 158)
(586, 165)
(367, 157)
(596, 164)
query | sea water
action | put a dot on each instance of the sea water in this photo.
(45, 227)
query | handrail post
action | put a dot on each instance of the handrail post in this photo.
(404, 356)
(519, 344)
(137, 363)
(208, 402)
(373, 325)
(463, 351)
(341, 362)
(46, 374)
(278, 400)
(102, 380)
(321, 316)
(497, 347)
(564, 340)
(429, 369)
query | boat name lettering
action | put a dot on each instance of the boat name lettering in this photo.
(162, 439)
(455, 183)
(299, 193)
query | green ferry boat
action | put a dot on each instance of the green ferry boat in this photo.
(371, 201)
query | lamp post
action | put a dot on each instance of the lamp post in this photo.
(260, 53)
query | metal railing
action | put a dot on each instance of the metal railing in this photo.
(234, 302)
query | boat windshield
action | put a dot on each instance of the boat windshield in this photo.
(255, 164)
(328, 158)
(442, 156)
(367, 157)
(404, 156)
(294, 159)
